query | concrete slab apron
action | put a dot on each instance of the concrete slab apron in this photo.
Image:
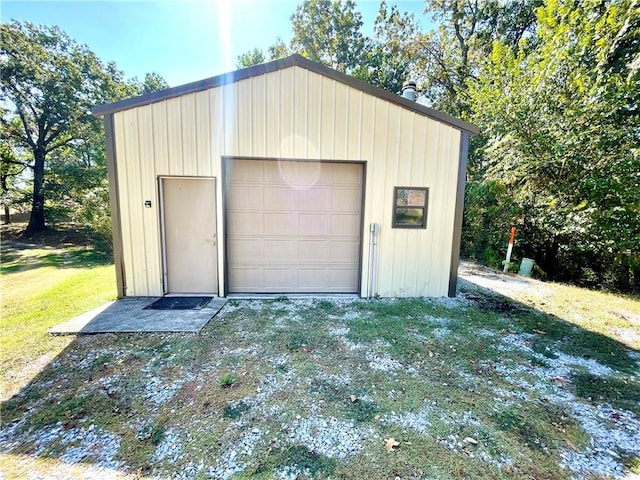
(128, 315)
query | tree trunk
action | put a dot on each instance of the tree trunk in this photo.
(7, 213)
(36, 221)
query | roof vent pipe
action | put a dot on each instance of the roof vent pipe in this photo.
(409, 90)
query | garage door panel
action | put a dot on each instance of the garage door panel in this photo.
(248, 171)
(314, 250)
(246, 223)
(244, 198)
(314, 279)
(281, 173)
(315, 199)
(281, 279)
(301, 233)
(347, 175)
(246, 279)
(279, 250)
(347, 224)
(280, 199)
(280, 224)
(249, 250)
(343, 279)
(313, 225)
(346, 200)
(344, 251)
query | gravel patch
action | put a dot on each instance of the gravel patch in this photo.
(330, 437)
(169, 449)
(233, 460)
(418, 421)
(613, 433)
(91, 444)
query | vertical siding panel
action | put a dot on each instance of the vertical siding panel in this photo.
(300, 98)
(354, 126)
(406, 247)
(244, 121)
(125, 209)
(272, 114)
(379, 193)
(367, 123)
(188, 119)
(286, 113)
(258, 100)
(314, 115)
(150, 224)
(136, 203)
(433, 217)
(203, 135)
(216, 133)
(396, 237)
(230, 122)
(418, 149)
(174, 136)
(418, 173)
(443, 193)
(451, 161)
(341, 120)
(327, 125)
(160, 148)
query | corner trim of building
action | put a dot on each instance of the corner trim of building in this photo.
(114, 203)
(459, 212)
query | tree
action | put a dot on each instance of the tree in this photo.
(451, 55)
(10, 168)
(49, 83)
(152, 83)
(561, 121)
(329, 32)
(250, 58)
(389, 60)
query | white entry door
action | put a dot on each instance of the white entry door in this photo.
(189, 235)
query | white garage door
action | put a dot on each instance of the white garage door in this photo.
(293, 227)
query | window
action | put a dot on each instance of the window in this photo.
(410, 207)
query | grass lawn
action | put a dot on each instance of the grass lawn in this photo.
(41, 286)
(530, 385)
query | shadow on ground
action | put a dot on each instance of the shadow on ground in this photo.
(155, 404)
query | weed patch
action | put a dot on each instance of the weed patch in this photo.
(623, 394)
(235, 410)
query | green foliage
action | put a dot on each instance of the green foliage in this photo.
(252, 57)
(623, 394)
(452, 54)
(538, 425)
(234, 411)
(329, 32)
(49, 85)
(227, 380)
(560, 156)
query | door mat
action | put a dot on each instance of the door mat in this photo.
(179, 303)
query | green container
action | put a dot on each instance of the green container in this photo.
(526, 266)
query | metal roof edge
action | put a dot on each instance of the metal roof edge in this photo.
(275, 65)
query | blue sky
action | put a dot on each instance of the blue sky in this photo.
(184, 40)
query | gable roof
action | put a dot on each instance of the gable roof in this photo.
(287, 62)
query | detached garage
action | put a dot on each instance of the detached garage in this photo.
(286, 177)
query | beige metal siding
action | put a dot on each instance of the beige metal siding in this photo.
(293, 113)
